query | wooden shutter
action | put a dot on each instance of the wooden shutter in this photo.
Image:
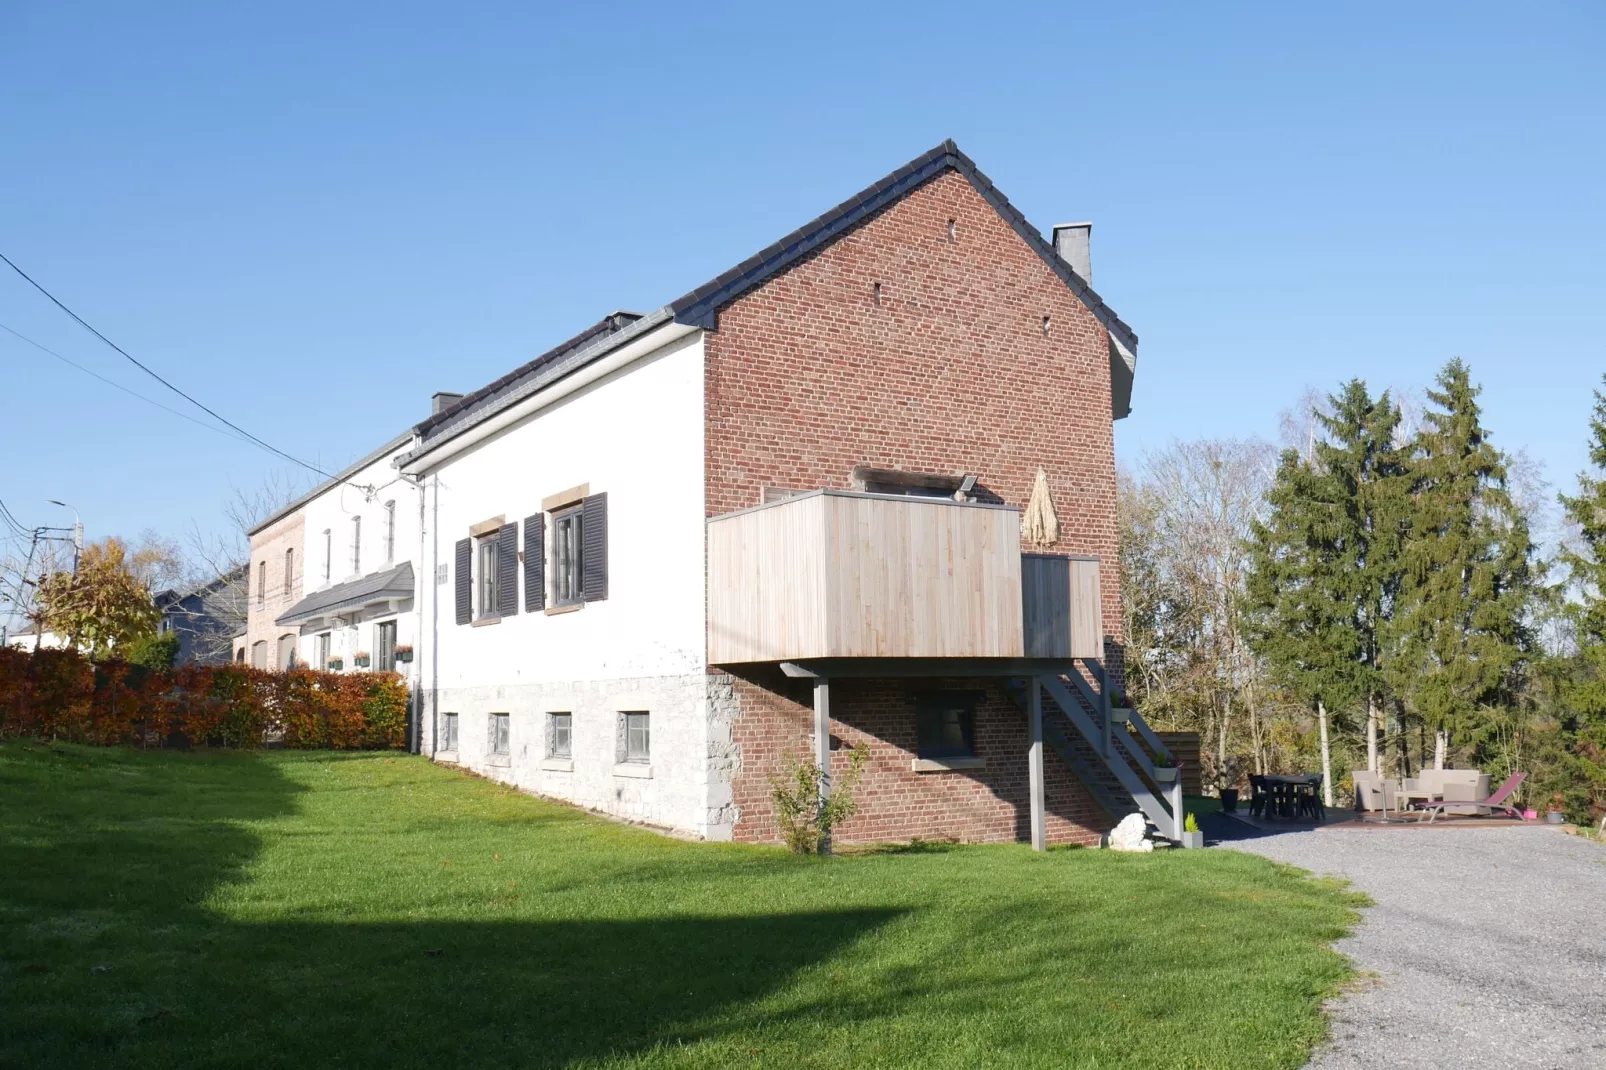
(507, 570)
(535, 563)
(594, 582)
(465, 581)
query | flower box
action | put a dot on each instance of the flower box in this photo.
(1121, 714)
(404, 654)
(335, 665)
(1165, 774)
(360, 660)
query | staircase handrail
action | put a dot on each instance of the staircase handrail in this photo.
(1135, 720)
(1154, 808)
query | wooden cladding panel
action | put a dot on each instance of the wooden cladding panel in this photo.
(1184, 748)
(845, 575)
(1061, 607)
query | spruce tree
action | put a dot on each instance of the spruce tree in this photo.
(1300, 605)
(1358, 454)
(1466, 577)
(1584, 695)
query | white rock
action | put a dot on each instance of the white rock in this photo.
(1130, 835)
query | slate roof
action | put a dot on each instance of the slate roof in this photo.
(701, 306)
(342, 476)
(376, 587)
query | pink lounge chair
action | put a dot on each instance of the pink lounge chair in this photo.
(1494, 802)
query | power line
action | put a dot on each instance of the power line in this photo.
(120, 386)
(85, 325)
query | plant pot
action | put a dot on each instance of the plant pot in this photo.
(1120, 715)
(404, 658)
(1164, 774)
(1555, 817)
(1229, 800)
(1193, 839)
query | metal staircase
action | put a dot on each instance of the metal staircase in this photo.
(1112, 752)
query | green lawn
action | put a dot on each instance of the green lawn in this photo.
(317, 909)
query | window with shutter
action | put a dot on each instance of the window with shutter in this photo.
(594, 586)
(463, 565)
(507, 569)
(568, 554)
(534, 563)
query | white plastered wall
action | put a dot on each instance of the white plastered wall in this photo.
(636, 434)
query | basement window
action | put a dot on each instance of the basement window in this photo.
(946, 725)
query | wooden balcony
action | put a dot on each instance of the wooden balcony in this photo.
(839, 574)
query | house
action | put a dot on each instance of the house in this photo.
(779, 518)
(332, 578)
(204, 617)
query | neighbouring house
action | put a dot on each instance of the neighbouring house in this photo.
(332, 576)
(781, 517)
(29, 637)
(205, 617)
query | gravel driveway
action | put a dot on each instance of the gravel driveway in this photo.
(1487, 945)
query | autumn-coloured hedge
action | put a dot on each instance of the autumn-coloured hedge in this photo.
(60, 694)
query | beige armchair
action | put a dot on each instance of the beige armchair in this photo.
(1373, 791)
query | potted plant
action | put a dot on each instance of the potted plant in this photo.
(1164, 771)
(1229, 800)
(360, 659)
(1556, 813)
(404, 653)
(335, 664)
(1191, 836)
(1120, 707)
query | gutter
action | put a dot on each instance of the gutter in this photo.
(618, 351)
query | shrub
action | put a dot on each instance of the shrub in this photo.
(59, 694)
(805, 824)
(153, 651)
(1190, 823)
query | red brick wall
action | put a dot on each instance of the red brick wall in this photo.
(808, 376)
(896, 803)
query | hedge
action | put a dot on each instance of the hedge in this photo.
(62, 695)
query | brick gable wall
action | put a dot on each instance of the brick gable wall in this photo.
(951, 370)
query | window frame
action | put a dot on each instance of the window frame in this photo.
(935, 705)
(390, 532)
(568, 536)
(385, 659)
(629, 722)
(487, 575)
(289, 569)
(328, 553)
(321, 648)
(356, 545)
(449, 728)
(262, 583)
(560, 735)
(499, 724)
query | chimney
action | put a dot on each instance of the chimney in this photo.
(442, 399)
(1071, 242)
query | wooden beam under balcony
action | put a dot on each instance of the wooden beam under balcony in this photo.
(882, 668)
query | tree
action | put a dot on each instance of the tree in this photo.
(1357, 453)
(1582, 720)
(1466, 579)
(101, 605)
(1300, 615)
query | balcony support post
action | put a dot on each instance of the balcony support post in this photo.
(822, 748)
(1034, 764)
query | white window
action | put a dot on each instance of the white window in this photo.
(322, 651)
(568, 556)
(356, 545)
(560, 735)
(489, 547)
(448, 740)
(289, 571)
(499, 733)
(390, 532)
(637, 742)
(262, 584)
(328, 553)
(385, 646)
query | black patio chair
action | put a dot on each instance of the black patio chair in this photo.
(1258, 796)
(1310, 801)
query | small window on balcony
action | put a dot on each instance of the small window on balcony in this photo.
(946, 724)
(913, 484)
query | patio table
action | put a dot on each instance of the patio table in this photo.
(1285, 788)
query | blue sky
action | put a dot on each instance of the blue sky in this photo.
(311, 216)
